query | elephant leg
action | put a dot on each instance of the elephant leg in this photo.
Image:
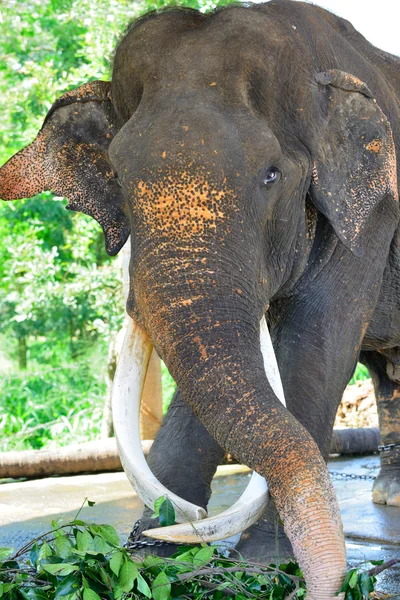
(184, 457)
(382, 367)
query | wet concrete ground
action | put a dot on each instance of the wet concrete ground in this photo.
(27, 509)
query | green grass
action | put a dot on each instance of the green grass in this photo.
(58, 402)
(62, 405)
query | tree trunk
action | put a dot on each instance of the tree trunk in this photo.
(107, 422)
(151, 407)
(22, 353)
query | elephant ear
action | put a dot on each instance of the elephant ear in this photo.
(69, 157)
(355, 164)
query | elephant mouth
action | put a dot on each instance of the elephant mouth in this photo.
(194, 525)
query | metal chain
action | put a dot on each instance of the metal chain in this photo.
(351, 475)
(132, 543)
(387, 447)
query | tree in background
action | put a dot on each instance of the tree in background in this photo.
(60, 295)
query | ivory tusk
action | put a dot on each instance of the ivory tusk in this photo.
(251, 504)
(126, 396)
(270, 365)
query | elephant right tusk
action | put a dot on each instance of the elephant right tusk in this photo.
(126, 396)
(251, 504)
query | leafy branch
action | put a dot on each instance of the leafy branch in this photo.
(79, 560)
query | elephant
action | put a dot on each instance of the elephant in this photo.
(250, 154)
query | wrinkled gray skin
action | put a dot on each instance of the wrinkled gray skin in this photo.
(344, 308)
(200, 111)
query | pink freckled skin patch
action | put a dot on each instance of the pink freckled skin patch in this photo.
(183, 205)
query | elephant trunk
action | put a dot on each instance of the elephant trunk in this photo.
(214, 356)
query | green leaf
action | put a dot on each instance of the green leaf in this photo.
(73, 596)
(366, 584)
(142, 586)
(161, 587)
(45, 551)
(55, 524)
(34, 593)
(353, 579)
(166, 513)
(68, 585)
(63, 546)
(157, 505)
(345, 583)
(89, 594)
(100, 546)
(5, 553)
(127, 576)
(1, 589)
(10, 564)
(60, 569)
(83, 539)
(152, 561)
(203, 556)
(90, 503)
(34, 554)
(108, 533)
(116, 562)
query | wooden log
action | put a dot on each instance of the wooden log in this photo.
(102, 455)
(355, 441)
(90, 457)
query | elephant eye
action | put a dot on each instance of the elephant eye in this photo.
(272, 175)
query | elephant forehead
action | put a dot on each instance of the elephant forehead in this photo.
(185, 204)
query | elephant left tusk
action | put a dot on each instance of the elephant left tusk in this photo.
(243, 513)
(126, 396)
(251, 504)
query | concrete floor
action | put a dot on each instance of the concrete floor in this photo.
(27, 509)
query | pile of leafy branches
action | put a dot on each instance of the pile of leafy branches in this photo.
(85, 561)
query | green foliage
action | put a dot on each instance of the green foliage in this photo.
(168, 387)
(164, 511)
(361, 374)
(358, 585)
(84, 561)
(60, 294)
(51, 405)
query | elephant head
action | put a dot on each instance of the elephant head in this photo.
(215, 160)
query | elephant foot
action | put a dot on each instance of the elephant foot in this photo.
(142, 545)
(265, 541)
(386, 488)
